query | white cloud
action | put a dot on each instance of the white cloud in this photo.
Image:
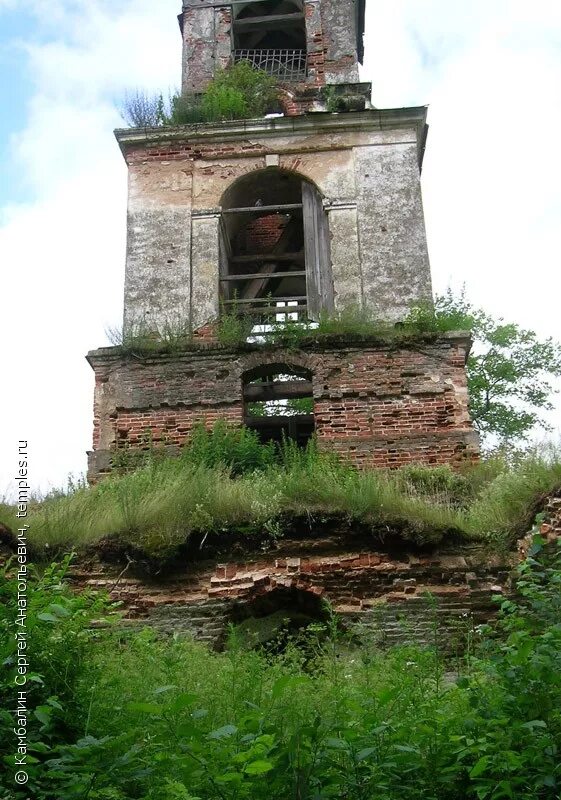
(490, 72)
(62, 254)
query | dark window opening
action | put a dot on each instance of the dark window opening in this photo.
(271, 35)
(278, 403)
(278, 617)
(274, 249)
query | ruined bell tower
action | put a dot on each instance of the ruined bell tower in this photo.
(309, 212)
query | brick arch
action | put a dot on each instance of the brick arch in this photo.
(265, 364)
(279, 594)
(258, 171)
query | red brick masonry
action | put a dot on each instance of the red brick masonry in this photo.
(380, 405)
(384, 592)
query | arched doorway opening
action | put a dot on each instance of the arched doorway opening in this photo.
(271, 36)
(275, 262)
(276, 617)
(278, 403)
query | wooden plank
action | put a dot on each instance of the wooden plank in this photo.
(258, 287)
(277, 421)
(272, 312)
(261, 209)
(311, 250)
(296, 273)
(277, 391)
(268, 300)
(282, 257)
(274, 19)
(318, 259)
(327, 291)
(223, 253)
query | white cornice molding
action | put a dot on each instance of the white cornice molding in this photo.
(305, 125)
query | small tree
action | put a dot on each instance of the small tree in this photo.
(142, 110)
(509, 371)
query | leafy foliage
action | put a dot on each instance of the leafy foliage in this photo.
(58, 648)
(239, 92)
(509, 370)
(239, 449)
(147, 718)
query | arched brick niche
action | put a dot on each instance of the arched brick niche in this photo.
(390, 593)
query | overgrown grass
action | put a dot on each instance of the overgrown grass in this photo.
(227, 483)
(234, 330)
(115, 715)
(8, 517)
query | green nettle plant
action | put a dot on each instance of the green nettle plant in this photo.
(133, 716)
(59, 642)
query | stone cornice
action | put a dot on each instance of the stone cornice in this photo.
(302, 125)
(323, 343)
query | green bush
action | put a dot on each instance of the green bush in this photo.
(237, 448)
(238, 92)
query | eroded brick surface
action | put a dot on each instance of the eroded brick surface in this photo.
(387, 594)
(377, 405)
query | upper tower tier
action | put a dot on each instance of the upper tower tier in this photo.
(310, 42)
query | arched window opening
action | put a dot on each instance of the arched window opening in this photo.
(271, 35)
(272, 620)
(278, 403)
(275, 258)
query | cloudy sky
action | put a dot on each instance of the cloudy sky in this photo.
(490, 70)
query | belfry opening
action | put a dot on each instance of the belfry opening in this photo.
(274, 248)
(271, 36)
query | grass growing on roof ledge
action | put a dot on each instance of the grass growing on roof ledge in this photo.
(226, 483)
(234, 330)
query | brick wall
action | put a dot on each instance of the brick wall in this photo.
(385, 592)
(262, 234)
(376, 405)
(166, 426)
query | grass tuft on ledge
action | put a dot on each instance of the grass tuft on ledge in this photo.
(235, 330)
(226, 484)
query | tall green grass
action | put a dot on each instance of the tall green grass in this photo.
(116, 714)
(227, 483)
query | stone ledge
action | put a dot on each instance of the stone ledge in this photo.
(306, 124)
(319, 344)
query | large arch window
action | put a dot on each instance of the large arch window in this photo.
(274, 248)
(271, 35)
